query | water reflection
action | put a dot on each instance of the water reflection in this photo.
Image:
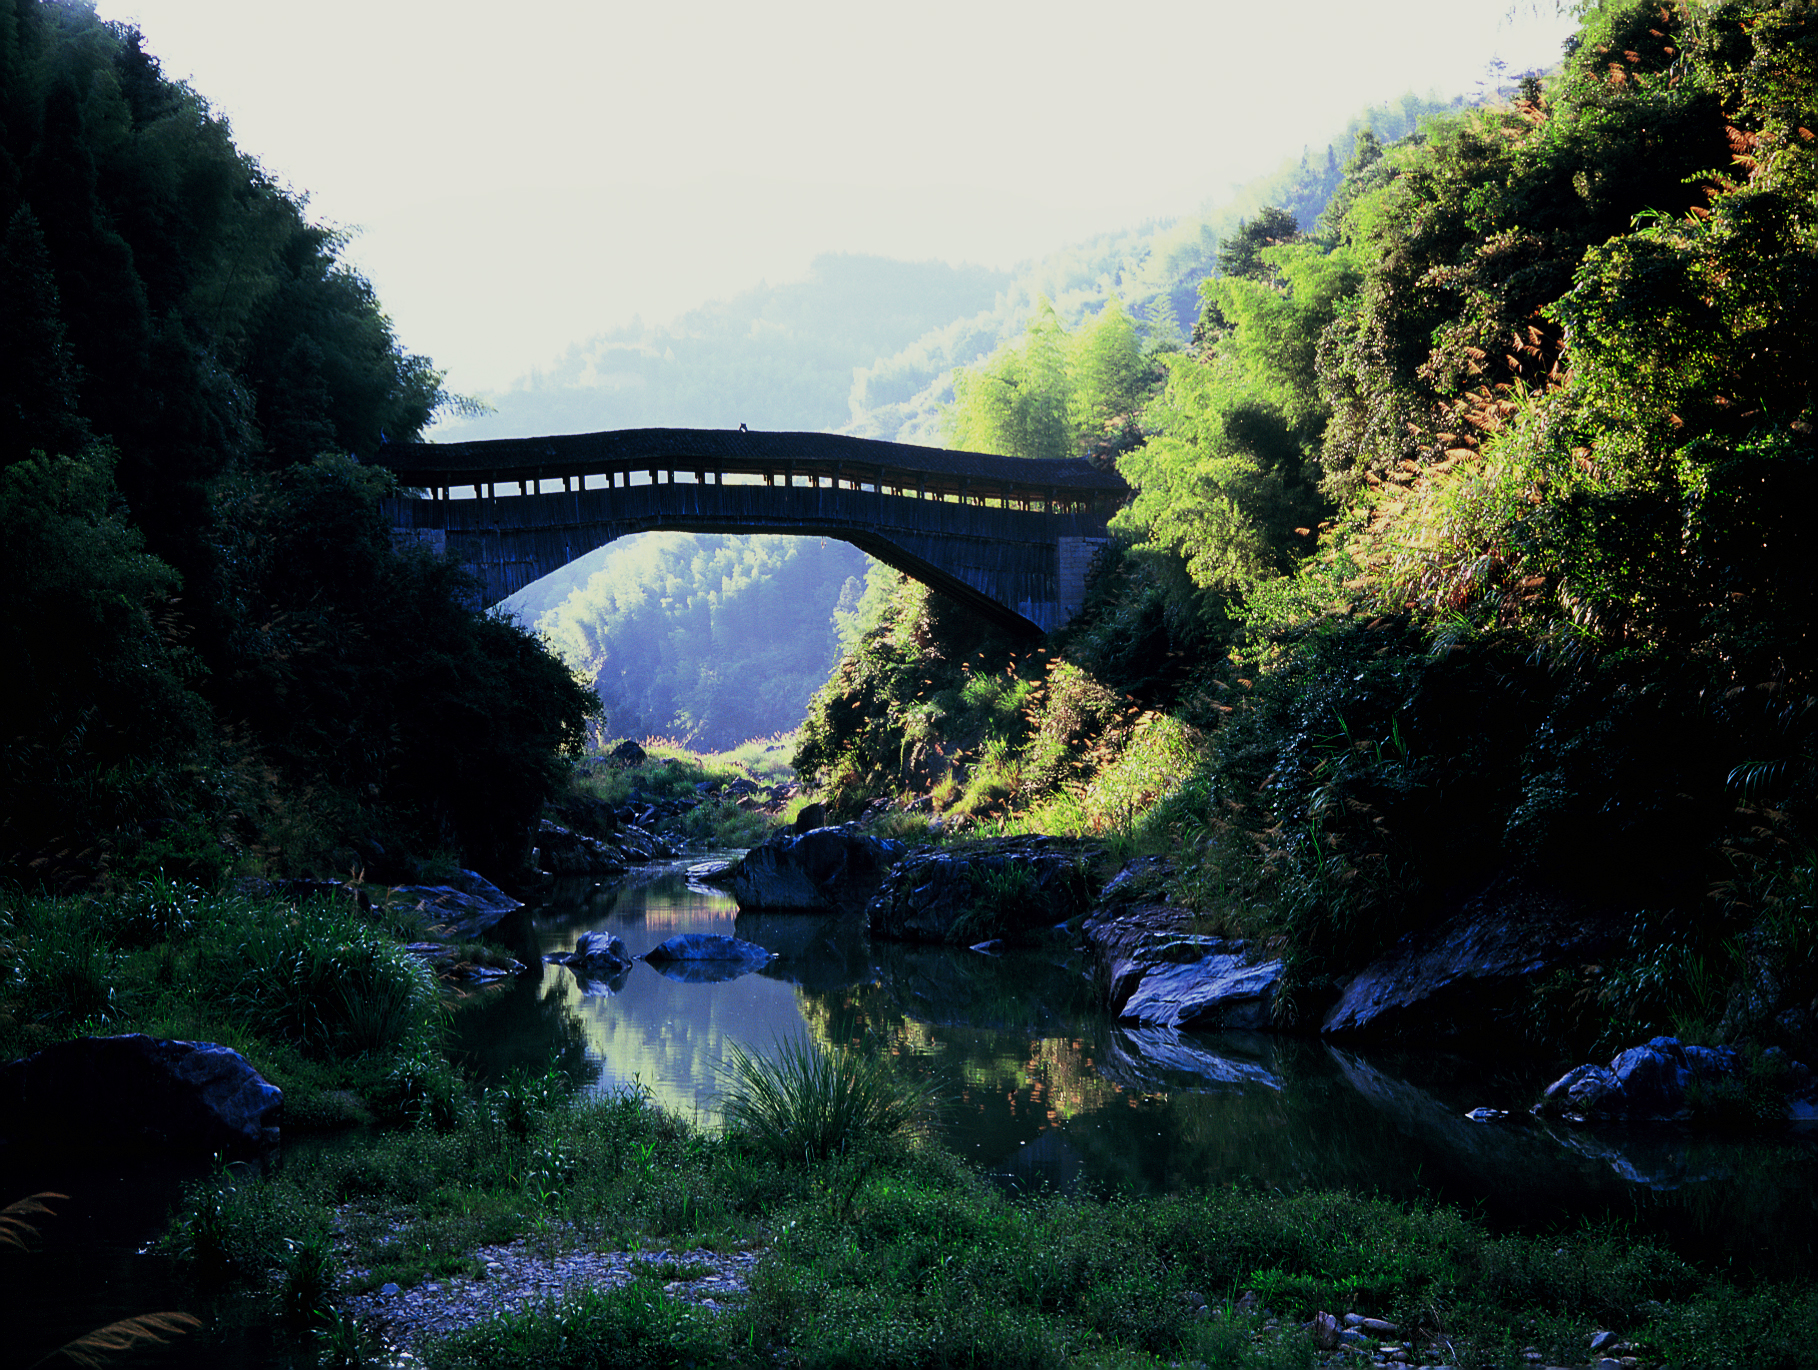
(1042, 1089)
(649, 1030)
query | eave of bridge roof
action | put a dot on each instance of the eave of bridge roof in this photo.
(724, 450)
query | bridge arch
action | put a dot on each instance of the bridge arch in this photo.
(1010, 538)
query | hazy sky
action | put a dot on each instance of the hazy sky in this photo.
(522, 177)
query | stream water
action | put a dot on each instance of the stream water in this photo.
(1040, 1088)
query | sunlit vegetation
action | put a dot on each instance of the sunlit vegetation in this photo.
(1469, 543)
(734, 798)
(713, 640)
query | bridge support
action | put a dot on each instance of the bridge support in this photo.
(1022, 569)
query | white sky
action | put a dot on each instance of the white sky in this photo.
(525, 176)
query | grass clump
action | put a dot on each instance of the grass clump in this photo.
(811, 1102)
(633, 1327)
(324, 980)
(323, 1001)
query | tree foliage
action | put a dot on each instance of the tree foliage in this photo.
(1052, 393)
(714, 640)
(217, 642)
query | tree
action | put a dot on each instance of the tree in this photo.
(1017, 403)
(1110, 373)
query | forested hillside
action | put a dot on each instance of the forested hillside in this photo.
(1470, 557)
(710, 640)
(774, 357)
(215, 658)
(1154, 270)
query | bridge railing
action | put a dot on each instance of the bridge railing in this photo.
(509, 482)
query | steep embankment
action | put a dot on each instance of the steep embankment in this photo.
(1468, 574)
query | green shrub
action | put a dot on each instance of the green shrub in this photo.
(323, 979)
(812, 1102)
(246, 1228)
(997, 896)
(58, 970)
(153, 910)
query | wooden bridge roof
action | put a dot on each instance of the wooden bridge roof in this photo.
(724, 449)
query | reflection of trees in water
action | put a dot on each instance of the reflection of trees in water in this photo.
(518, 1027)
(1038, 1085)
(1758, 1208)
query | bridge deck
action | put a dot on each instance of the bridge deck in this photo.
(657, 456)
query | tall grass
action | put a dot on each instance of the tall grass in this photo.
(58, 972)
(811, 1102)
(325, 980)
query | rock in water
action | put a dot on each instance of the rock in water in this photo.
(1007, 887)
(1648, 1083)
(705, 956)
(469, 904)
(561, 851)
(596, 955)
(830, 870)
(707, 946)
(1462, 976)
(1203, 983)
(139, 1094)
(1157, 972)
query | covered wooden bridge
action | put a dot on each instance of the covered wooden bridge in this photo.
(1011, 538)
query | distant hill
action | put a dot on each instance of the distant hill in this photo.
(776, 356)
(1154, 269)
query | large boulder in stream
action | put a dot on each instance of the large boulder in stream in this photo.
(700, 957)
(562, 851)
(1002, 888)
(1470, 971)
(823, 870)
(1203, 983)
(1657, 1082)
(596, 955)
(1158, 972)
(468, 904)
(137, 1094)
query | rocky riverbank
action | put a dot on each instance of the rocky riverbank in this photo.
(511, 1277)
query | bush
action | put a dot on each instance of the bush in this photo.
(155, 909)
(811, 1102)
(56, 968)
(320, 978)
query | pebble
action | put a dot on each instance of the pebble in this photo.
(517, 1276)
(1367, 1341)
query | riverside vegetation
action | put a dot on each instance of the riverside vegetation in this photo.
(1469, 551)
(874, 1246)
(877, 1248)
